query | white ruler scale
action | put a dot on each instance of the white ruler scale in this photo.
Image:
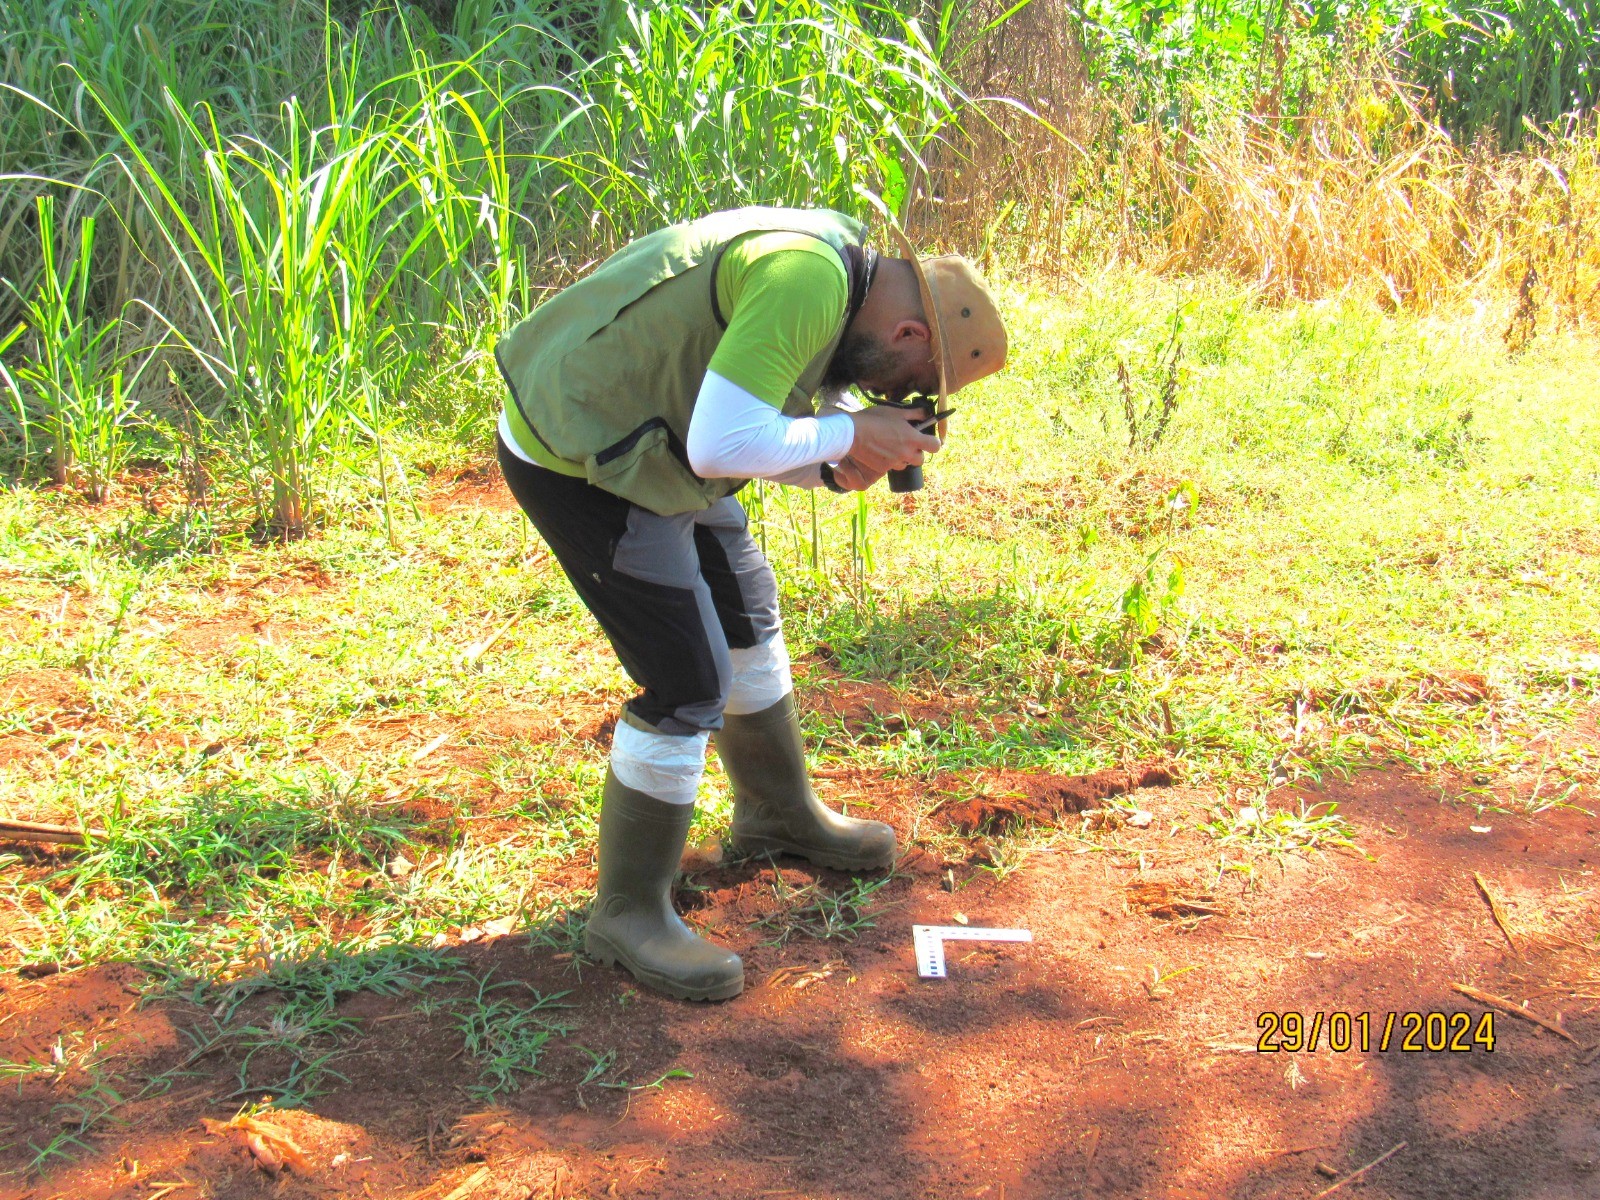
(929, 942)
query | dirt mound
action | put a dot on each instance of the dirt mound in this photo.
(1018, 798)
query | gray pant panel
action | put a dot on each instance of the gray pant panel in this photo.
(712, 555)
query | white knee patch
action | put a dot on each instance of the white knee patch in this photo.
(662, 765)
(760, 677)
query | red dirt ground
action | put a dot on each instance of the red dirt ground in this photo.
(1113, 1057)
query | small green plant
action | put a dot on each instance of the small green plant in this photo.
(599, 1063)
(1279, 831)
(1147, 422)
(92, 1103)
(816, 912)
(78, 1117)
(1151, 598)
(654, 1085)
(506, 1034)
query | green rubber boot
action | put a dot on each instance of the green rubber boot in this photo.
(632, 922)
(774, 809)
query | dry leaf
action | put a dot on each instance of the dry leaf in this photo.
(272, 1147)
(430, 748)
(265, 1158)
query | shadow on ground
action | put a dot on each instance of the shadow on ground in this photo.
(1116, 1056)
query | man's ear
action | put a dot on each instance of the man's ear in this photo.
(910, 329)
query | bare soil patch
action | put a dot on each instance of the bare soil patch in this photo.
(1115, 1056)
(43, 692)
(476, 488)
(1018, 799)
(870, 711)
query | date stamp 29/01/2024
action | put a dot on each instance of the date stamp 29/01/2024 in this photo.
(1407, 1032)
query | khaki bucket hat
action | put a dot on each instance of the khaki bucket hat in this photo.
(969, 338)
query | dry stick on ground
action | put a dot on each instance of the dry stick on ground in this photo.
(39, 831)
(1295, 1149)
(1494, 907)
(1515, 1009)
(465, 1188)
(1360, 1171)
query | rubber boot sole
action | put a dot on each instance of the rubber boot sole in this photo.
(602, 951)
(756, 846)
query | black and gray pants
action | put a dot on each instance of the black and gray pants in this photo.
(689, 603)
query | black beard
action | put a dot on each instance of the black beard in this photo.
(859, 356)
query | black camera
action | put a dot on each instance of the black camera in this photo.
(921, 411)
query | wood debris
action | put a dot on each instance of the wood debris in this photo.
(1496, 910)
(1515, 1009)
(1360, 1171)
(1158, 898)
(463, 1189)
(472, 1130)
(41, 831)
(272, 1148)
(801, 977)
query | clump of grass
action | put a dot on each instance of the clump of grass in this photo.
(506, 1034)
(281, 1027)
(221, 837)
(821, 913)
(1280, 830)
(77, 393)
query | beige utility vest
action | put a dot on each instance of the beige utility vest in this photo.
(604, 374)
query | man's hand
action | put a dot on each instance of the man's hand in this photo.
(853, 477)
(887, 440)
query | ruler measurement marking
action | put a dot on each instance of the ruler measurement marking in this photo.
(929, 940)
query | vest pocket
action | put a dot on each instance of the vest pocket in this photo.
(647, 468)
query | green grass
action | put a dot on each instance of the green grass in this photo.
(1353, 545)
(1361, 537)
(821, 913)
(267, 242)
(270, 280)
(505, 1033)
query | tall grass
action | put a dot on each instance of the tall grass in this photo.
(310, 222)
(1351, 187)
(795, 100)
(77, 390)
(304, 238)
(1498, 69)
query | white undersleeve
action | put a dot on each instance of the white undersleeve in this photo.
(736, 435)
(511, 442)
